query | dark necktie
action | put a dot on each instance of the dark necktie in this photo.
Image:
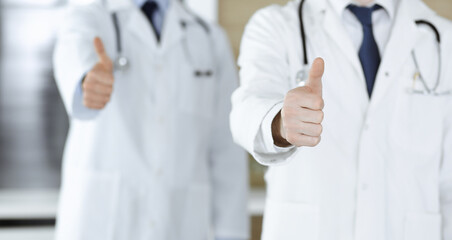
(369, 54)
(150, 8)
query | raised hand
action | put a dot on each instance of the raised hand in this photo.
(98, 83)
(300, 121)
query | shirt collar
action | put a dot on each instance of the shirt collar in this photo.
(163, 4)
(340, 5)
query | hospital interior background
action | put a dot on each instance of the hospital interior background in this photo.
(33, 122)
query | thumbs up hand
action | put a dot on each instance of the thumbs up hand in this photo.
(98, 83)
(299, 122)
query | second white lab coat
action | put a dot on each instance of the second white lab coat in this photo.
(383, 170)
(158, 162)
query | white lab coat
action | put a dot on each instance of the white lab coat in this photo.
(159, 161)
(383, 169)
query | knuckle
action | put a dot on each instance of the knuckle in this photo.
(86, 83)
(111, 78)
(89, 75)
(322, 103)
(321, 116)
(284, 114)
(287, 98)
(110, 89)
(320, 129)
(293, 95)
(318, 103)
(317, 131)
(288, 113)
(311, 142)
(315, 141)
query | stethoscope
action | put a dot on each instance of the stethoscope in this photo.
(418, 75)
(122, 63)
(302, 75)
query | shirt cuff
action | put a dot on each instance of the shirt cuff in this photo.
(266, 131)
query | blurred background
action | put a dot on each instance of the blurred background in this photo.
(33, 121)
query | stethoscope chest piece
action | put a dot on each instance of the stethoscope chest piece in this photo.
(122, 63)
(301, 77)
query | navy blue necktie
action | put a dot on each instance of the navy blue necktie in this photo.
(150, 8)
(369, 54)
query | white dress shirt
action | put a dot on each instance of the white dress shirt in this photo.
(382, 20)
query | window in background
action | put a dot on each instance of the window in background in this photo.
(33, 122)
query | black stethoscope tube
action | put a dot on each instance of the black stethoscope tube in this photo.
(302, 32)
(427, 23)
(117, 32)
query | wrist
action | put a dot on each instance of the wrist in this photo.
(277, 132)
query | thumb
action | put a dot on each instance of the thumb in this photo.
(315, 76)
(102, 54)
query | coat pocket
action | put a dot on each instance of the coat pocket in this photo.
(423, 227)
(196, 92)
(87, 205)
(290, 221)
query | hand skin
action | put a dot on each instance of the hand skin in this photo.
(98, 83)
(299, 123)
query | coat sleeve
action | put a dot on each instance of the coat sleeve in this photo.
(446, 179)
(264, 83)
(229, 165)
(74, 55)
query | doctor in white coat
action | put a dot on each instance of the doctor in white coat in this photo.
(149, 153)
(381, 168)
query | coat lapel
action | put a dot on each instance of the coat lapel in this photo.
(332, 24)
(398, 50)
(325, 29)
(173, 31)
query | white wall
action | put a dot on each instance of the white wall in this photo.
(207, 9)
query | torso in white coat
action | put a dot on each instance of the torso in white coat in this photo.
(383, 168)
(151, 164)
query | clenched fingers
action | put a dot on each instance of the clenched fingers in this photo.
(97, 88)
(310, 116)
(310, 129)
(300, 140)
